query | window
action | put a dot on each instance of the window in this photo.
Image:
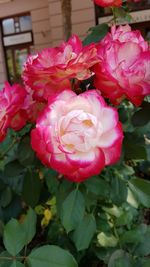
(8, 26)
(17, 40)
(25, 23)
(17, 24)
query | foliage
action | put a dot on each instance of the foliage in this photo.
(102, 217)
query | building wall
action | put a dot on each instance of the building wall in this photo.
(47, 22)
(2, 65)
(83, 17)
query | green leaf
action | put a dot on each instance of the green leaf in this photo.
(14, 237)
(125, 218)
(107, 240)
(51, 181)
(134, 236)
(13, 169)
(134, 151)
(2, 184)
(25, 153)
(104, 253)
(146, 264)
(141, 117)
(97, 34)
(63, 191)
(73, 209)
(134, 146)
(115, 211)
(31, 188)
(98, 186)
(13, 175)
(143, 248)
(84, 232)
(119, 190)
(17, 264)
(15, 183)
(5, 262)
(14, 209)
(1, 228)
(6, 197)
(120, 259)
(141, 188)
(132, 200)
(29, 226)
(51, 256)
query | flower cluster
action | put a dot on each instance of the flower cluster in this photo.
(78, 134)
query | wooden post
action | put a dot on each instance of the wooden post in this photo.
(66, 8)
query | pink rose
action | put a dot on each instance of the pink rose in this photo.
(11, 102)
(32, 108)
(107, 3)
(78, 135)
(124, 68)
(49, 72)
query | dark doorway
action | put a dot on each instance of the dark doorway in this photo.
(15, 59)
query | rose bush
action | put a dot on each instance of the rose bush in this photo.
(124, 67)
(59, 127)
(78, 135)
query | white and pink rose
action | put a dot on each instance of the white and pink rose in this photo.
(124, 67)
(78, 135)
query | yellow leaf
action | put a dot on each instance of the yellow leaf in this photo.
(47, 214)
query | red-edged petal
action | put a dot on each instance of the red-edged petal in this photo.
(94, 168)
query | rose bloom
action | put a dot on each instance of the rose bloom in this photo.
(108, 3)
(31, 107)
(34, 111)
(124, 68)
(11, 102)
(78, 135)
(49, 71)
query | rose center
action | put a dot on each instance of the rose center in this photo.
(87, 123)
